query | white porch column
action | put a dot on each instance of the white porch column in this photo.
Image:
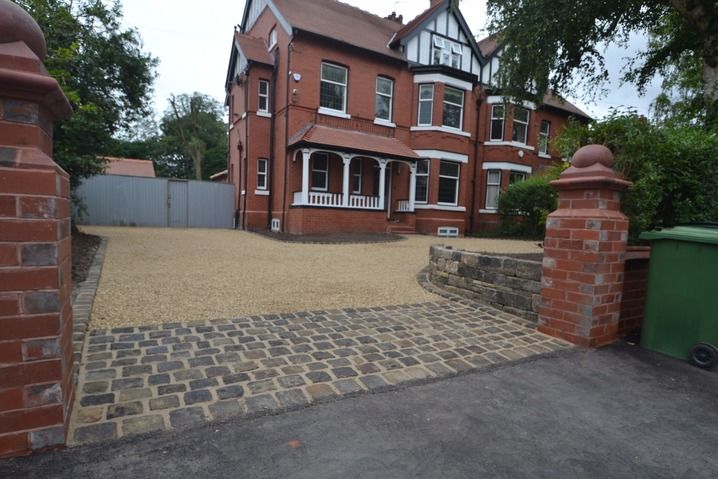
(347, 159)
(412, 187)
(382, 183)
(306, 155)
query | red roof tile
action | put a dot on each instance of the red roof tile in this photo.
(556, 101)
(253, 48)
(129, 167)
(488, 46)
(342, 22)
(354, 141)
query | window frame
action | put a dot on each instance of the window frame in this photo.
(525, 124)
(426, 175)
(489, 185)
(431, 104)
(316, 170)
(356, 175)
(544, 137)
(390, 96)
(494, 118)
(514, 174)
(457, 54)
(272, 38)
(264, 96)
(456, 179)
(445, 102)
(344, 85)
(263, 174)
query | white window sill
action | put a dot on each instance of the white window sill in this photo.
(444, 129)
(489, 211)
(440, 207)
(261, 192)
(515, 144)
(264, 114)
(387, 123)
(336, 113)
(544, 156)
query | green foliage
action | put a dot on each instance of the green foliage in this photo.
(102, 70)
(525, 205)
(555, 44)
(196, 127)
(195, 134)
(674, 168)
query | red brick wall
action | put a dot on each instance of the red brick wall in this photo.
(36, 377)
(35, 310)
(334, 220)
(635, 284)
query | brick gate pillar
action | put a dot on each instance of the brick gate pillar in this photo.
(584, 253)
(36, 384)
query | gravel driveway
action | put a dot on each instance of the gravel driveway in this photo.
(153, 276)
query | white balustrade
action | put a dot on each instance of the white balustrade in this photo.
(335, 200)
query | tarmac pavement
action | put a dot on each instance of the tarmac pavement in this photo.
(613, 413)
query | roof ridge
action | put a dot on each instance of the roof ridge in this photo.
(366, 12)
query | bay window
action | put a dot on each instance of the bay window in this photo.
(521, 125)
(422, 181)
(449, 182)
(493, 187)
(497, 122)
(320, 172)
(426, 104)
(453, 107)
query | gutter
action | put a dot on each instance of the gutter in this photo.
(474, 180)
(246, 154)
(290, 47)
(272, 107)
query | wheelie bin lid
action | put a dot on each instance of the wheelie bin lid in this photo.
(695, 233)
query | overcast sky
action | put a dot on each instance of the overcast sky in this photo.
(193, 39)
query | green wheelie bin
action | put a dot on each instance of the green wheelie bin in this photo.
(681, 315)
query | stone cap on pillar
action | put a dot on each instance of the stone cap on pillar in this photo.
(22, 51)
(591, 167)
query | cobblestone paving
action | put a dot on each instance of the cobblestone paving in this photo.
(137, 380)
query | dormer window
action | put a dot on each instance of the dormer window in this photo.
(272, 39)
(447, 52)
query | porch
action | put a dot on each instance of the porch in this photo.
(366, 182)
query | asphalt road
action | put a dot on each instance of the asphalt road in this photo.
(614, 413)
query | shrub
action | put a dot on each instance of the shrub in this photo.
(524, 206)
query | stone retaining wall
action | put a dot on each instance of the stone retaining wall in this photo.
(510, 284)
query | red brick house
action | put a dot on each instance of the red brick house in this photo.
(341, 120)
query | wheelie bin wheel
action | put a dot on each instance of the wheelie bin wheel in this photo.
(704, 355)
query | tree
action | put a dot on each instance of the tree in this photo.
(673, 168)
(102, 70)
(551, 43)
(195, 135)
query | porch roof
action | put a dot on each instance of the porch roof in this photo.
(351, 141)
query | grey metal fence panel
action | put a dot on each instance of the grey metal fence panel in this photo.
(114, 200)
(211, 205)
(124, 201)
(177, 202)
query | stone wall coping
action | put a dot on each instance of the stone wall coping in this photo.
(451, 250)
(638, 252)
